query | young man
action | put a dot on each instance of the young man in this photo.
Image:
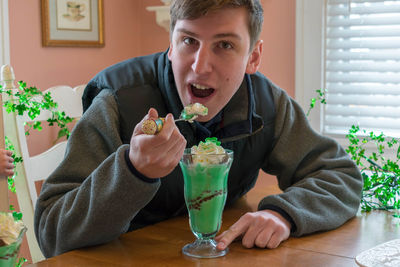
(6, 163)
(116, 179)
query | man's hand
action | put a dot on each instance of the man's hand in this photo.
(265, 228)
(157, 155)
(6, 163)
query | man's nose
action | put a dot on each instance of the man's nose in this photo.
(202, 61)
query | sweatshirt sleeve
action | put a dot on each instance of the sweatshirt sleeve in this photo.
(93, 195)
(321, 184)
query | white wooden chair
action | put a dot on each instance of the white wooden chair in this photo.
(39, 167)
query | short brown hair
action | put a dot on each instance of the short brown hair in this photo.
(192, 9)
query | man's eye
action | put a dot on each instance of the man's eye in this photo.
(225, 45)
(188, 40)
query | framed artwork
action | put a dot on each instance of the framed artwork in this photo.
(72, 23)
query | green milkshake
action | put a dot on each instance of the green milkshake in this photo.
(205, 171)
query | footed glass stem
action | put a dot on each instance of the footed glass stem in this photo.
(203, 248)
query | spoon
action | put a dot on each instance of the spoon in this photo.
(189, 114)
(187, 117)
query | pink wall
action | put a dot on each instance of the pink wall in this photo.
(278, 61)
(48, 66)
(130, 30)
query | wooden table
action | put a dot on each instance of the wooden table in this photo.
(161, 244)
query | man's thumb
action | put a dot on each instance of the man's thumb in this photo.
(152, 113)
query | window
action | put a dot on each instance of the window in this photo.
(362, 66)
(351, 48)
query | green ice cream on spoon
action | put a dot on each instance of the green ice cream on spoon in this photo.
(192, 111)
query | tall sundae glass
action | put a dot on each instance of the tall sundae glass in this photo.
(205, 171)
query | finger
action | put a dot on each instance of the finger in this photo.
(9, 166)
(168, 154)
(263, 238)
(174, 143)
(220, 240)
(172, 151)
(219, 237)
(9, 173)
(9, 153)
(173, 157)
(179, 151)
(236, 230)
(151, 114)
(165, 135)
(251, 235)
(275, 240)
(280, 234)
(162, 142)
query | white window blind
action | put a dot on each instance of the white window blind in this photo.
(362, 66)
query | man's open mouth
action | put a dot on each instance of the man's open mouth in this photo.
(201, 91)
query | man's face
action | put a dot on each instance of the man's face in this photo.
(210, 56)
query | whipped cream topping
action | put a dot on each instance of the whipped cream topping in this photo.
(9, 228)
(208, 152)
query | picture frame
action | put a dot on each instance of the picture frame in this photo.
(72, 23)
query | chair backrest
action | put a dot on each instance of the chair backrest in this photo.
(38, 167)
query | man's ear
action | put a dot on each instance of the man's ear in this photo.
(170, 50)
(255, 58)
